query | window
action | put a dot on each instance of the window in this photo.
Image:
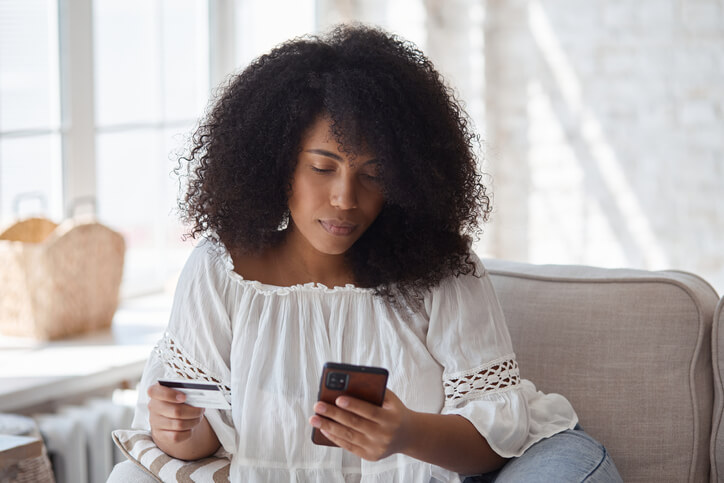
(30, 127)
(97, 97)
(151, 70)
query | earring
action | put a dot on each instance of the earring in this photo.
(284, 224)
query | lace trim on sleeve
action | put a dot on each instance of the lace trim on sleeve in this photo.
(495, 376)
(183, 366)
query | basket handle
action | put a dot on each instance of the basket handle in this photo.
(80, 201)
(30, 195)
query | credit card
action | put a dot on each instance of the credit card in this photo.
(200, 394)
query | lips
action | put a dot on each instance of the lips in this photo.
(338, 228)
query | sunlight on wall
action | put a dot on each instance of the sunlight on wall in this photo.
(560, 206)
(625, 213)
(261, 25)
(476, 66)
(407, 17)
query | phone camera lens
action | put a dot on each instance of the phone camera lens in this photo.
(337, 381)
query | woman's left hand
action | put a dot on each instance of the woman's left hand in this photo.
(371, 432)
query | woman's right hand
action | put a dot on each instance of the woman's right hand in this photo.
(172, 421)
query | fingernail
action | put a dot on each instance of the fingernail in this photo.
(180, 397)
(316, 422)
(342, 402)
(321, 408)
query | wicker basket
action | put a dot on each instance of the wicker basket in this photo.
(34, 465)
(58, 280)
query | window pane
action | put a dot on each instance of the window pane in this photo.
(129, 198)
(30, 177)
(152, 66)
(185, 58)
(137, 197)
(127, 59)
(29, 93)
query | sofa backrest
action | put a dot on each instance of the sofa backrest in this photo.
(717, 436)
(631, 350)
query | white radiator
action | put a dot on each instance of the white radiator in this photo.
(78, 438)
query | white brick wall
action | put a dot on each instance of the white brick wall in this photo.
(605, 129)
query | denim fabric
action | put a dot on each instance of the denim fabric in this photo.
(569, 456)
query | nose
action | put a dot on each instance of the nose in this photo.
(344, 193)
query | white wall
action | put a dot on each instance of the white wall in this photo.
(605, 133)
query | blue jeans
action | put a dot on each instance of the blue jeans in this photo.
(569, 456)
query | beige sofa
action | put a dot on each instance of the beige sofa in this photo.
(632, 350)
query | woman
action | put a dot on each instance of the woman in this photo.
(335, 183)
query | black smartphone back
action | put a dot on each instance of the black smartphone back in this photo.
(362, 382)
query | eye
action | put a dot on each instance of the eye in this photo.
(321, 170)
(371, 181)
(370, 173)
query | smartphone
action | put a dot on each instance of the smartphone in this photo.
(362, 382)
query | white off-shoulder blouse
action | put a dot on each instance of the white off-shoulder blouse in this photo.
(265, 347)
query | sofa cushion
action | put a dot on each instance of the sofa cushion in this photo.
(717, 432)
(629, 348)
(138, 446)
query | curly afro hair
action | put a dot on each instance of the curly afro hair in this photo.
(380, 92)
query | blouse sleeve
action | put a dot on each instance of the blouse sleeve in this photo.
(481, 379)
(197, 341)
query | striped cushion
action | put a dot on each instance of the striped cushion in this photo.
(138, 447)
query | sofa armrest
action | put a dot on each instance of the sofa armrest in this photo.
(631, 350)
(717, 429)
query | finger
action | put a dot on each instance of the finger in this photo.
(339, 431)
(344, 444)
(174, 410)
(163, 393)
(174, 436)
(172, 424)
(344, 417)
(360, 408)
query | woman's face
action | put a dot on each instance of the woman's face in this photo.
(333, 199)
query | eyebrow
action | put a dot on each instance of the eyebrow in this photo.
(336, 157)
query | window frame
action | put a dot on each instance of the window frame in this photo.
(77, 90)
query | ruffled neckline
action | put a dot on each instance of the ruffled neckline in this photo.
(313, 287)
